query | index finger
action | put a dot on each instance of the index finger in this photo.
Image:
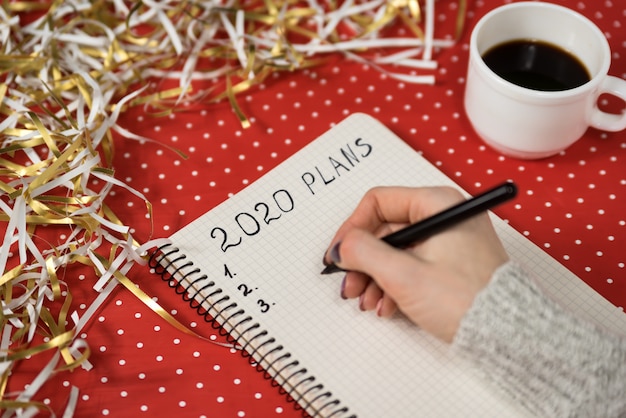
(394, 207)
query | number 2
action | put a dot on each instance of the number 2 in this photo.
(244, 289)
(225, 244)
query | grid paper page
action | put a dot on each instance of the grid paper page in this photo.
(264, 248)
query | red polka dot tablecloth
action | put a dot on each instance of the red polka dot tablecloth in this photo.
(571, 205)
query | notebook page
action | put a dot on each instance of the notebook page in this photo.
(264, 247)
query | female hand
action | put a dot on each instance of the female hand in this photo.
(434, 282)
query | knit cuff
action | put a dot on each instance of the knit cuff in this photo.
(548, 361)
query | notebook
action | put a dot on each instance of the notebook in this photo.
(252, 266)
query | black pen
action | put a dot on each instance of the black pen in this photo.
(447, 218)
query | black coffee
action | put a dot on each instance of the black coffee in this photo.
(536, 65)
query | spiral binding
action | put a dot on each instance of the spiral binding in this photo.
(188, 281)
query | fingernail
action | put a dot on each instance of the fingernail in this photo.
(334, 253)
(361, 299)
(379, 307)
(343, 288)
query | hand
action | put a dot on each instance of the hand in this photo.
(434, 282)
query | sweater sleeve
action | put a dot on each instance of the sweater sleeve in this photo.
(550, 362)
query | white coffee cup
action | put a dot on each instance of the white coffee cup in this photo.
(526, 123)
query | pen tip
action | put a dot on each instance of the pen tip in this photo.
(331, 268)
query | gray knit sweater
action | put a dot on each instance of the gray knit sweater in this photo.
(552, 363)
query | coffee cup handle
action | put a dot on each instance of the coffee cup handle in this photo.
(608, 121)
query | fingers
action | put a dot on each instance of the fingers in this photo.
(354, 284)
(367, 256)
(357, 284)
(370, 295)
(386, 307)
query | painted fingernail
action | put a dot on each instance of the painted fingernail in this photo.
(334, 253)
(343, 288)
(379, 307)
(361, 300)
